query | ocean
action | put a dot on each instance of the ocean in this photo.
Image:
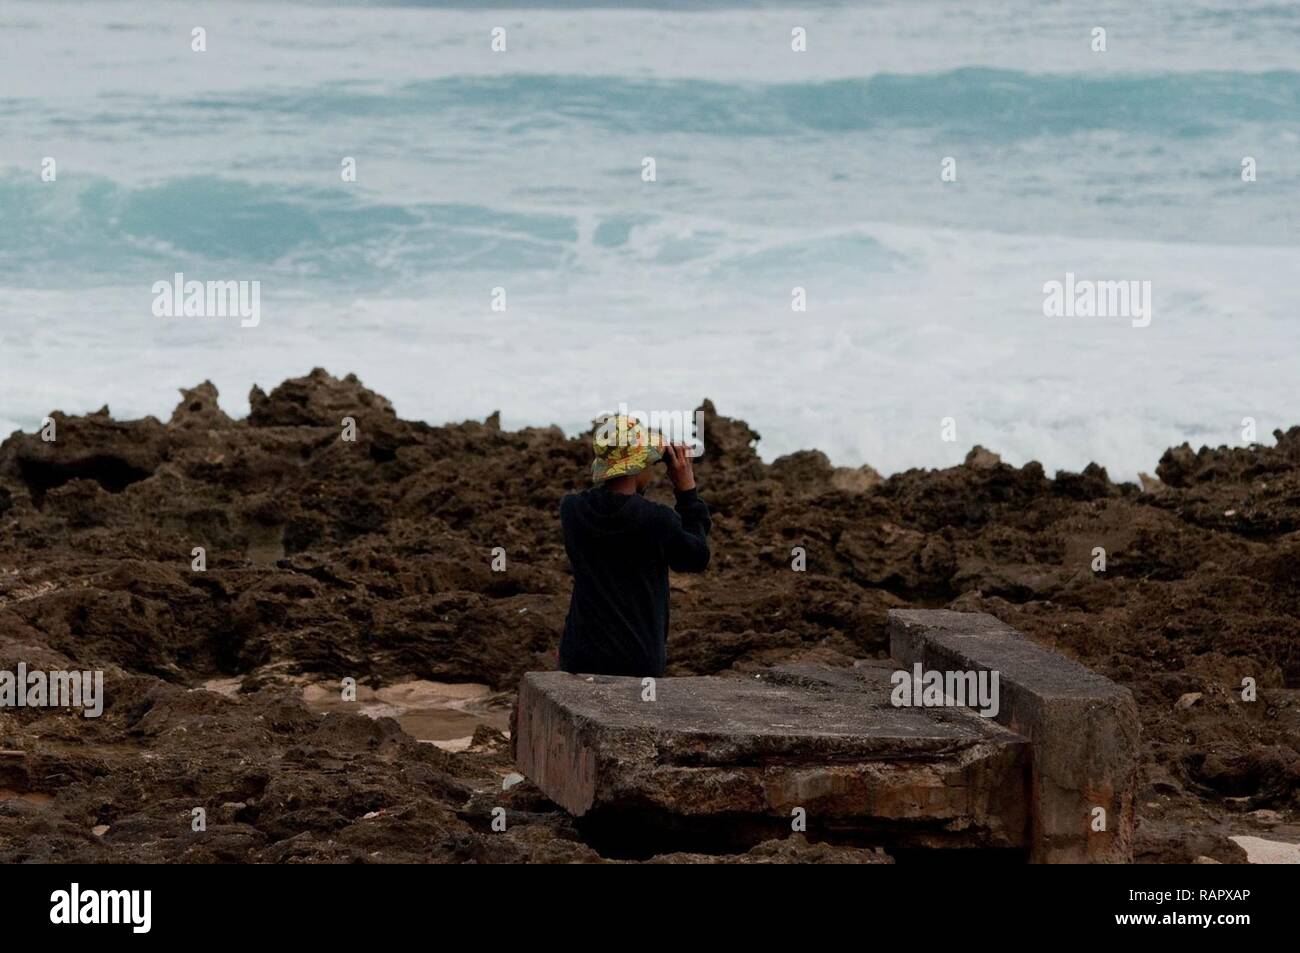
(920, 172)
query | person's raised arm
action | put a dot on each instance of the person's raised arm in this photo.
(688, 540)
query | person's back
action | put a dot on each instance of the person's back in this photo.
(621, 547)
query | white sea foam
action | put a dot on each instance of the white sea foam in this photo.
(776, 170)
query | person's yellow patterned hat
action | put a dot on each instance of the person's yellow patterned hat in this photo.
(623, 447)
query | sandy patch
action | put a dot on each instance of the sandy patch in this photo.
(1261, 851)
(440, 713)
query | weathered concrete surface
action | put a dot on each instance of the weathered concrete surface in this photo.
(1083, 728)
(739, 749)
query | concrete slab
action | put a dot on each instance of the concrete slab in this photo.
(733, 751)
(1083, 728)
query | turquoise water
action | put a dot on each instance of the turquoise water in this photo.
(521, 170)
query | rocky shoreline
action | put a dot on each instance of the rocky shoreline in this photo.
(326, 559)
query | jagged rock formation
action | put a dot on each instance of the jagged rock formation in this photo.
(371, 559)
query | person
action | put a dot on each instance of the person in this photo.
(621, 547)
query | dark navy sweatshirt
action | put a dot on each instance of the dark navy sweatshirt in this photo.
(621, 547)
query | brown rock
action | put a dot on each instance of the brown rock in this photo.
(319, 400)
(981, 459)
(199, 408)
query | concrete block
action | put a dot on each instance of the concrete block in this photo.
(1082, 728)
(746, 752)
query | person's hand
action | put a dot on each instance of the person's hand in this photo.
(678, 458)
